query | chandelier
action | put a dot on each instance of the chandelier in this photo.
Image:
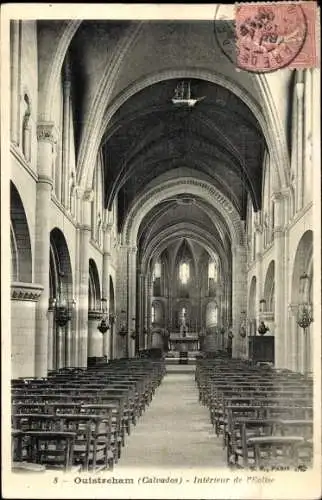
(62, 306)
(242, 324)
(123, 329)
(305, 309)
(107, 320)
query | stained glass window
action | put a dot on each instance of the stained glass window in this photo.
(184, 273)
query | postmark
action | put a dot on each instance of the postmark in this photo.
(265, 37)
(272, 36)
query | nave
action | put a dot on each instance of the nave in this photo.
(144, 413)
(175, 429)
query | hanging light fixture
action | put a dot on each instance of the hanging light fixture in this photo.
(122, 330)
(305, 310)
(103, 326)
(242, 324)
(63, 308)
(262, 305)
(133, 332)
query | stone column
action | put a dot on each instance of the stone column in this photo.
(46, 141)
(85, 233)
(239, 296)
(140, 310)
(14, 80)
(291, 361)
(65, 134)
(131, 298)
(107, 339)
(299, 142)
(60, 346)
(69, 344)
(24, 297)
(145, 310)
(281, 344)
(51, 333)
(149, 306)
(95, 337)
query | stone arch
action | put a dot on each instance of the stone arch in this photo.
(52, 74)
(94, 289)
(302, 263)
(269, 287)
(184, 185)
(271, 128)
(60, 269)
(163, 239)
(21, 256)
(60, 293)
(302, 343)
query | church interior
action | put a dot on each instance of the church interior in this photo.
(161, 235)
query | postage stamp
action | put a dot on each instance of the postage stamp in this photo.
(271, 36)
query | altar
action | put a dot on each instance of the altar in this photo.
(184, 344)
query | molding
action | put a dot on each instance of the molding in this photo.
(96, 246)
(63, 210)
(208, 193)
(95, 315)
(299, 216)
(16, 152)
(26, 291)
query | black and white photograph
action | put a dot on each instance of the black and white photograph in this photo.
(160, 250)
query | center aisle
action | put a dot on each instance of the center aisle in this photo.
(175, 430)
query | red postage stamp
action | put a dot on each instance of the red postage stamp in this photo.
(271, 36)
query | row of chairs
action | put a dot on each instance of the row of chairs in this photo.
(264, 415)
(79, 419)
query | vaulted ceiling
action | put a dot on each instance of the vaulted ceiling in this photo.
(147, 140)
(219, 137)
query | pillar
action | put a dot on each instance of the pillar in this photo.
(108, 336)
(69, 344)
(149, 307)
(46, 141)
(65, 133)
(281, 344)
(60, 346)
(85, 233)
(51, 332)
(14, 80)
(140, 310)
(131, 299)
(238, 296)
(299, 142)
(95, 337)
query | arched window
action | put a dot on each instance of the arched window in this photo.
(153, 314)
(184, 272)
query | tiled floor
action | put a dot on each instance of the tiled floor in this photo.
(175, 430)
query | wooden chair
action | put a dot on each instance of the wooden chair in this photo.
(276, 452)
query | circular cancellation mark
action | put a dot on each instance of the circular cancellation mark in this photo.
(260, 38)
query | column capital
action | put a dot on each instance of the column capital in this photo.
(88, 195)
(47, 132)
(107, 227)
(133, 250)
(26, 291)
(280, 196)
